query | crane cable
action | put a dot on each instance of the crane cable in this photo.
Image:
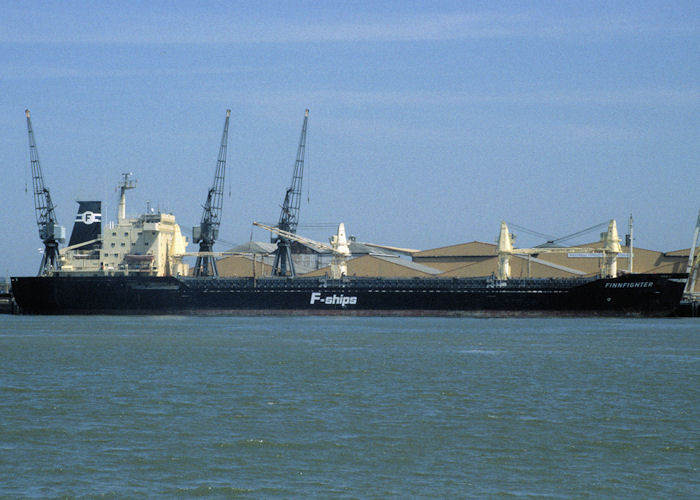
(553, 239)
(547, 237)
(583, 231)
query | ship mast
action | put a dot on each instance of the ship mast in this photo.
(289, 216)
(630, 244)
(50, 232)
(125, 184)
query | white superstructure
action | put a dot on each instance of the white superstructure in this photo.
(150, 244)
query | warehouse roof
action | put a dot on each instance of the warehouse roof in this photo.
(472, 249)
(257, 247)
(684, 253)
(376, 265)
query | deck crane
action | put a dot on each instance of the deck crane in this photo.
(339, 247)
(208, 230)
(50, 232)
(289, 216)
(608, 251)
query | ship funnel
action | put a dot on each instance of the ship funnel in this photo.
(88, 224)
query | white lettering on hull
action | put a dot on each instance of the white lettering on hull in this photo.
(641, 284)
(334, 299)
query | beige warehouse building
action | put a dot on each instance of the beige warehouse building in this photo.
(473, 259)
(481, 259)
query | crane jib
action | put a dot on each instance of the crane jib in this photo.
(207, 232)
(50, 232)
(289, 215)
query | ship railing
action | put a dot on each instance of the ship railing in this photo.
(382, 283)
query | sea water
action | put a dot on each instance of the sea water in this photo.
(310, 407)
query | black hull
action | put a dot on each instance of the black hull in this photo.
(639, 294)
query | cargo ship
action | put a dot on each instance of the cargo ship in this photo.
(640, 294)
(136, 266)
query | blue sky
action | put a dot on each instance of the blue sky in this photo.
(430, 122)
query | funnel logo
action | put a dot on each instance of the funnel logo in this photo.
(334, 299)
(88, 217)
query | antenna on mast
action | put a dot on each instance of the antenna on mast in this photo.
(630, 245)
(125, 184)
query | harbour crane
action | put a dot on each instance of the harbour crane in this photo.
(207, 232)
(289, 216)
(339, 247)
(50, 232)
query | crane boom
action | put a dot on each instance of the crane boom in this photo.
(207, 232)
(289, 215)
(50, 232)
(609, 251)
(295, 237)
(338, 247)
